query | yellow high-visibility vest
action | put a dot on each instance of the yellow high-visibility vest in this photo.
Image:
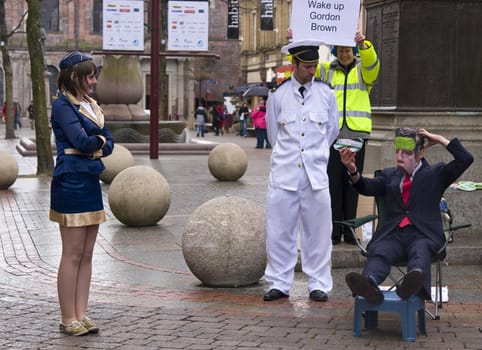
(352, 90)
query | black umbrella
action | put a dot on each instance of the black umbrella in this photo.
(257, 91)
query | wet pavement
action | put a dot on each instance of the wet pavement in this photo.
(143, 295)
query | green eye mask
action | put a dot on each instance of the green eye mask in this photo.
(405, 143)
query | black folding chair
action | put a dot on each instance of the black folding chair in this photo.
(438, 258)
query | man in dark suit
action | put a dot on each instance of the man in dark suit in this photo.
(412, 230)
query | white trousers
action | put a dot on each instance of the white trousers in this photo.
(311, 210)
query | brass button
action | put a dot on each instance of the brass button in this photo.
(302, 150)
(302, 134)
(299, 165)
(304, 119)
(319, 123)
(302, 103)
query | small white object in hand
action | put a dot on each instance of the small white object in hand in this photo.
(353, 145)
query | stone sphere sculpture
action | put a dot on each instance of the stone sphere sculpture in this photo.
(120, 159)
(227, 162)
(224, 242)
(139, 196)
(8, 170)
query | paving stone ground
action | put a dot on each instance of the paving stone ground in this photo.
(143, 295)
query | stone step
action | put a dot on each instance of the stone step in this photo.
(28, 148)
(465, 250)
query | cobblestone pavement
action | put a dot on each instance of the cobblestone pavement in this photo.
(143, 295)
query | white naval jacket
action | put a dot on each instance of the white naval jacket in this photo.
(301, 132)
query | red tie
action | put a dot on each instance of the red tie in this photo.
(406, 186)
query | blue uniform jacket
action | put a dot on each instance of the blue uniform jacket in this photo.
(428, 186)
(76, 130)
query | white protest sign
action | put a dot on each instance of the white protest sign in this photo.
(335, 22)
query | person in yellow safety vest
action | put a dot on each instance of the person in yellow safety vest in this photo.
(352, 79)
(351, 75)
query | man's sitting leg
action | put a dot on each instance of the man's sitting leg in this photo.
(365, 287)
(412, 284)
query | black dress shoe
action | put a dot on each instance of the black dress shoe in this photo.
(364, 287)
(274, 294)
(411, 284)
(318, 295)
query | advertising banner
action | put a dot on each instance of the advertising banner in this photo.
(266, 14)
(123, 25)
(233, 19)
(188, 25)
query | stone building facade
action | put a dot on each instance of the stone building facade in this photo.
(70, 25)
(261, 59)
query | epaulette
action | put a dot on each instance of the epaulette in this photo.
(323, 81)
(284, 81)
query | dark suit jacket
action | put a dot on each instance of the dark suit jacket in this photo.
(428, 186)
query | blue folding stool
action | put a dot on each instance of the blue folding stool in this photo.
(408, 309)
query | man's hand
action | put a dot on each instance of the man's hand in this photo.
(433, 139)
(348, 159)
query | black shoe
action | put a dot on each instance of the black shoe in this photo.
(363, 286)
(411, 284)
(274, 294)
(335, 241)
(318, 295)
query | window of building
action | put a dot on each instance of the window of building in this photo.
(97, 16)
(49, 15)
(52, 82)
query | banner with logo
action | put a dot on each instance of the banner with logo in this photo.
(188, 25)
(123, 25)
(266, 14)
(233, 19)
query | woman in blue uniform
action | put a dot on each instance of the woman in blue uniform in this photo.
(76, 199)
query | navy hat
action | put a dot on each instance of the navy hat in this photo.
(73, 58)
(304, 51)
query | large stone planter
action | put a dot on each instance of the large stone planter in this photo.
(224, 242)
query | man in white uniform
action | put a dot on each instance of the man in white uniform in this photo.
(302, 121)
